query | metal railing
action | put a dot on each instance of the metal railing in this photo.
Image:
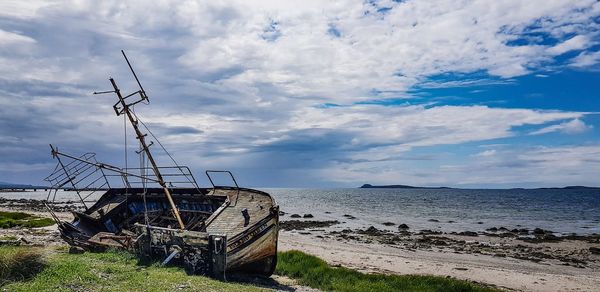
(237, 187)
(86, 176)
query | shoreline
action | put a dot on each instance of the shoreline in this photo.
(505, 273)
(499, 258)
(421, 212)
(545, 263)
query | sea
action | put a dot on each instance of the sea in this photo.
(563, 211)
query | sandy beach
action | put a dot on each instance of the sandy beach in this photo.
(518, 259)
(532, 260)
(503, 272)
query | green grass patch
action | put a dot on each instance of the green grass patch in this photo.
(18, 264)
(20, 219)
(314, 272)
(34, 269)
(115, 271)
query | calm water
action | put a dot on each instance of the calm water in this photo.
(563, 211)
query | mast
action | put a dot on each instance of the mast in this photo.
(122, 107)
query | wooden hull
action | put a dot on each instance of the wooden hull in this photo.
(245, 221)
(259, 247)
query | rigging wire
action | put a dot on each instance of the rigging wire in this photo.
(125, 131)
(126, 164)
(167, 152)
(143, 175)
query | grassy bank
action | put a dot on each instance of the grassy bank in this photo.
(314, 272)
(19, 219)
(36, 269)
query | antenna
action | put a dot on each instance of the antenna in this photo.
(142, 92)
(119, 107)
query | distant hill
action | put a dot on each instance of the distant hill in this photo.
(571, 188)
(7, 185)
(369, 186)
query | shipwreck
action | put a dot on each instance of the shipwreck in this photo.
(160, 212)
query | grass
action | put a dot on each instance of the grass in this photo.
(34, 269)
(113, 271)
(316, 273)
(19, 219)
(18, 264)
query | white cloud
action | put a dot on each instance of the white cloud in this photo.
(389, 52)
(23, 9)
(420, 126)
(7, 37)
(486, 153)
(574, 126)
(586, 59)
(209, 66)
(508, 167)
(577, 42)
(546, 166)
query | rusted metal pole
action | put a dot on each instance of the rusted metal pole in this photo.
(145, 148)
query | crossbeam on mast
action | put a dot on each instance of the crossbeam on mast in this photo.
(145, 147)
(122, 107)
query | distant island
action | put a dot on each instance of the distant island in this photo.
(369, 186)
(6, 185)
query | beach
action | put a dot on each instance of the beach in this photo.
(532, 260)
(534, 270)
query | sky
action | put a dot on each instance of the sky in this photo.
(311, 93)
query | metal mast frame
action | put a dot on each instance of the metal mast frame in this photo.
(122, 107)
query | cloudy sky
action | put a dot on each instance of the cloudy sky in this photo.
(312, 93)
